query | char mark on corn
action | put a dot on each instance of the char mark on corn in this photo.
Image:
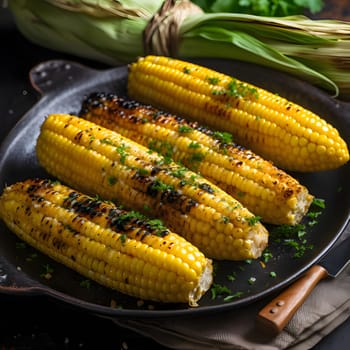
(264, 189)
(119, 249)
(100, 161)
(277, 129)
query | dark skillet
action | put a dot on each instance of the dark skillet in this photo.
(63, 84)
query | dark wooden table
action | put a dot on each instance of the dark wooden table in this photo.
(40, 323)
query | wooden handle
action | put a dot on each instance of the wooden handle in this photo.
(276, 314)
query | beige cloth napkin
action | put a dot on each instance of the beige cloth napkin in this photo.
(325, 309)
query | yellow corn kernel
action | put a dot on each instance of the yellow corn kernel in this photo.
(118, 249)
(268, 124)
(96, 160)
(264, 189)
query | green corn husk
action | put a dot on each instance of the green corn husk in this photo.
(317, 51)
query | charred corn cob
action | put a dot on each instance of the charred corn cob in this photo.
(96, 160)
(264, 189)
(279, 130)
(116, 248)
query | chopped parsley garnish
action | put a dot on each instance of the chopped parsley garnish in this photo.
(178, 173)
(252, 280)
(237, 89)
(160, 186)
(122, 153)
(318, 202)
(240, 89)
(232, 277)
(253, 220)
(184, 129)
(219, 289)
(163, 148)
(292, 236)
(85, 284)
(32, 256)
(157, 225)
(21, 245)
(48, 270)
(112, 180)
(213, 80)
(233, 296)
(196, 157)
(194, 144)
(223, 137)
(266, 255)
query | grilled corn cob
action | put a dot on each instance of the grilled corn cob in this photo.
(116, 248)
(96, 160)
(264, 189)
(291, 136)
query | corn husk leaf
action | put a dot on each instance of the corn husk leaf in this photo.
(111, 32)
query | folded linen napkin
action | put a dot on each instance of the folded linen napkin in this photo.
(325, 309)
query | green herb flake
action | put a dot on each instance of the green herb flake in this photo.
(178, 173)
(163, 148)
(219, 289)
(122, 153)
(160, 186)
(253, 220)
(85, 284)
(112, 180)
(266, 255)
(233, 296)
(142, 171)
(232, 277)
(213, 80)
(21, 245)
(216, 92)
(32, 257)
(313, 214)
(223, 137)
(194, 144)
(184, 129)
(240, 89)
(123, 238)
(48, 271)
(252, 280)
(225, 219)
(196, 157)
(319, 202)
(107, 141)
(222, 290)
(292, 236)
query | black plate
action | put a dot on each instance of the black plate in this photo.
(63, 85)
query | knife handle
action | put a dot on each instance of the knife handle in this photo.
(276, 314)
